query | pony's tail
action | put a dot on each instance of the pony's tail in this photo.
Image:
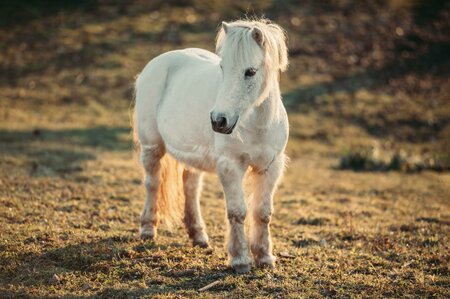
(170, 196)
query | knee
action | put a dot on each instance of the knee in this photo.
(151, 156)
(263, 214)
(237, 214)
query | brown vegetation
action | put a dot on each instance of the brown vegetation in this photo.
(367, 80)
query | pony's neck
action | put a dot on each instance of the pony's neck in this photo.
(267, 112)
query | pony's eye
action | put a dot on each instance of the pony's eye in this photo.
(250, 72)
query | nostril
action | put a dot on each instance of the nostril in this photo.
(221, 122)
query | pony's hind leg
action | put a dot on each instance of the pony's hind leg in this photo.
(261, 207)
(150, 158)
(192, 214)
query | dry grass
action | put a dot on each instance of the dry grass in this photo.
(71, 194)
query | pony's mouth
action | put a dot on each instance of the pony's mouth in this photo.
(225, 130)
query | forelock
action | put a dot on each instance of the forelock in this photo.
(238, 40)
(238, 45)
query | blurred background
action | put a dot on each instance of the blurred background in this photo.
(368, 97)
(368, 80)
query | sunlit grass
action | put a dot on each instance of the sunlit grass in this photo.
(70, 188)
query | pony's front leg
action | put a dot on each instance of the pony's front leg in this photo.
(261, 206)
(231, 174)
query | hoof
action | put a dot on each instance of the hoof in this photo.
(241, 264)
(201, 244)
(267, 261)
(242, 268)
(200, 239)
(148, 233)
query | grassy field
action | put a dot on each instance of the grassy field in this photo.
(363, 210)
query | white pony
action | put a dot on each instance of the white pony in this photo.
(197, 111)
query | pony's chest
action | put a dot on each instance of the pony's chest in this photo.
(259, 151)
(261, 154)
(262, 158)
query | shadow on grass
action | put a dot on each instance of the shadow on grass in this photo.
(84, 257)
(116, 257)
(183, 286)
(370, 159)
(109, 138)
(435, 60)
(65, 58)
(436, 56)
(52, 152)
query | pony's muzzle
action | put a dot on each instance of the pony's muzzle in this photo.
(221, 124)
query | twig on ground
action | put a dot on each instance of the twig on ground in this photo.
(207, 287)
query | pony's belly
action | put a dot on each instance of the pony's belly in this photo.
(198, 157)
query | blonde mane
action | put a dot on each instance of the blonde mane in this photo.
(274, 42)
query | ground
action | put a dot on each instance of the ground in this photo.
(363, 209)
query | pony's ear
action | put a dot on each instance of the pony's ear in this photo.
(221, 36)
(258, 35)
(225, 26)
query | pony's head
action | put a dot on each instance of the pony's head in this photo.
(252, 52)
